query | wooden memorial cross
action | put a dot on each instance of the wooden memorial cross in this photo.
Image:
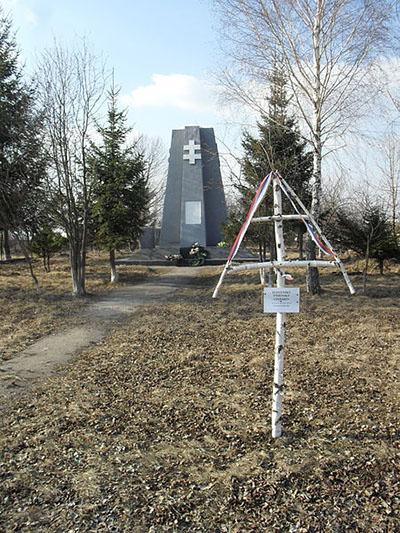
(282, 295)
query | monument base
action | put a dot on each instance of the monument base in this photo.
(218, 255)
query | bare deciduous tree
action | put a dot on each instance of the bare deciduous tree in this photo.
(390, 149)
(326, 47)
(71, 83)
(154, 153)
(4, 245)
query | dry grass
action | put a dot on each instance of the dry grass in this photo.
(165, 425)
(26, 315)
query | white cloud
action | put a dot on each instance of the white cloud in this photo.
(179, 91)
(21, 12)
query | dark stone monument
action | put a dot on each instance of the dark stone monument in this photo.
(194, 205)
(149, 237)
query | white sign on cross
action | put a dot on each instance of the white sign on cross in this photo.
(191, 156)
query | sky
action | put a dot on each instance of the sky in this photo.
(163, 53)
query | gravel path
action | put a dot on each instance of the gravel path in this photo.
(47, 354)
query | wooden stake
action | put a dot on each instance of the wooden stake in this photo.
(221, 279)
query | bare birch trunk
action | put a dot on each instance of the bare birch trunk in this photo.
(270, 277)
(313, 283)
(32, 273)
(277, 392)
(83, 251)
(114, 272)
(312, 277)
(77, 273)
(300, 245)
(28, 260)
(6, 245)
(366, 264)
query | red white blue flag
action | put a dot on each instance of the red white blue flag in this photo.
(258, 198)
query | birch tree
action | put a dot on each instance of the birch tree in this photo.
(71, 83)
(327, 48)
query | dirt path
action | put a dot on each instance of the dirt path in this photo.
(47, 354)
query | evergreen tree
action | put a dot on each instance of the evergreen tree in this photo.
(22, 163)
(280, 147)
(45, 242)
(120, 194)
(367, 230)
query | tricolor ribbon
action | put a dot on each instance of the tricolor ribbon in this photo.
(258, 198)
(313, 234)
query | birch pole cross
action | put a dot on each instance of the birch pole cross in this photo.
(278, 218)
(277, 392)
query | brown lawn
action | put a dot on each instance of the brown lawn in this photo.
(165, 425)
(26, 315)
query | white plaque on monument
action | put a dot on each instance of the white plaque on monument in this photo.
(282, 300)
(192, 212)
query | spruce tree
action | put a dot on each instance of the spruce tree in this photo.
(121, 193)
(22, 160)
(366, 229)
(278, 146)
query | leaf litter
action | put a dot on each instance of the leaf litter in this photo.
(165, 424)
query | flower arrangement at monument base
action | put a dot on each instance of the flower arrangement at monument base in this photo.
(174, 258)
(198, 254)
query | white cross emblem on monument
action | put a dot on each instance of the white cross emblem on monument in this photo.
(192, 156)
